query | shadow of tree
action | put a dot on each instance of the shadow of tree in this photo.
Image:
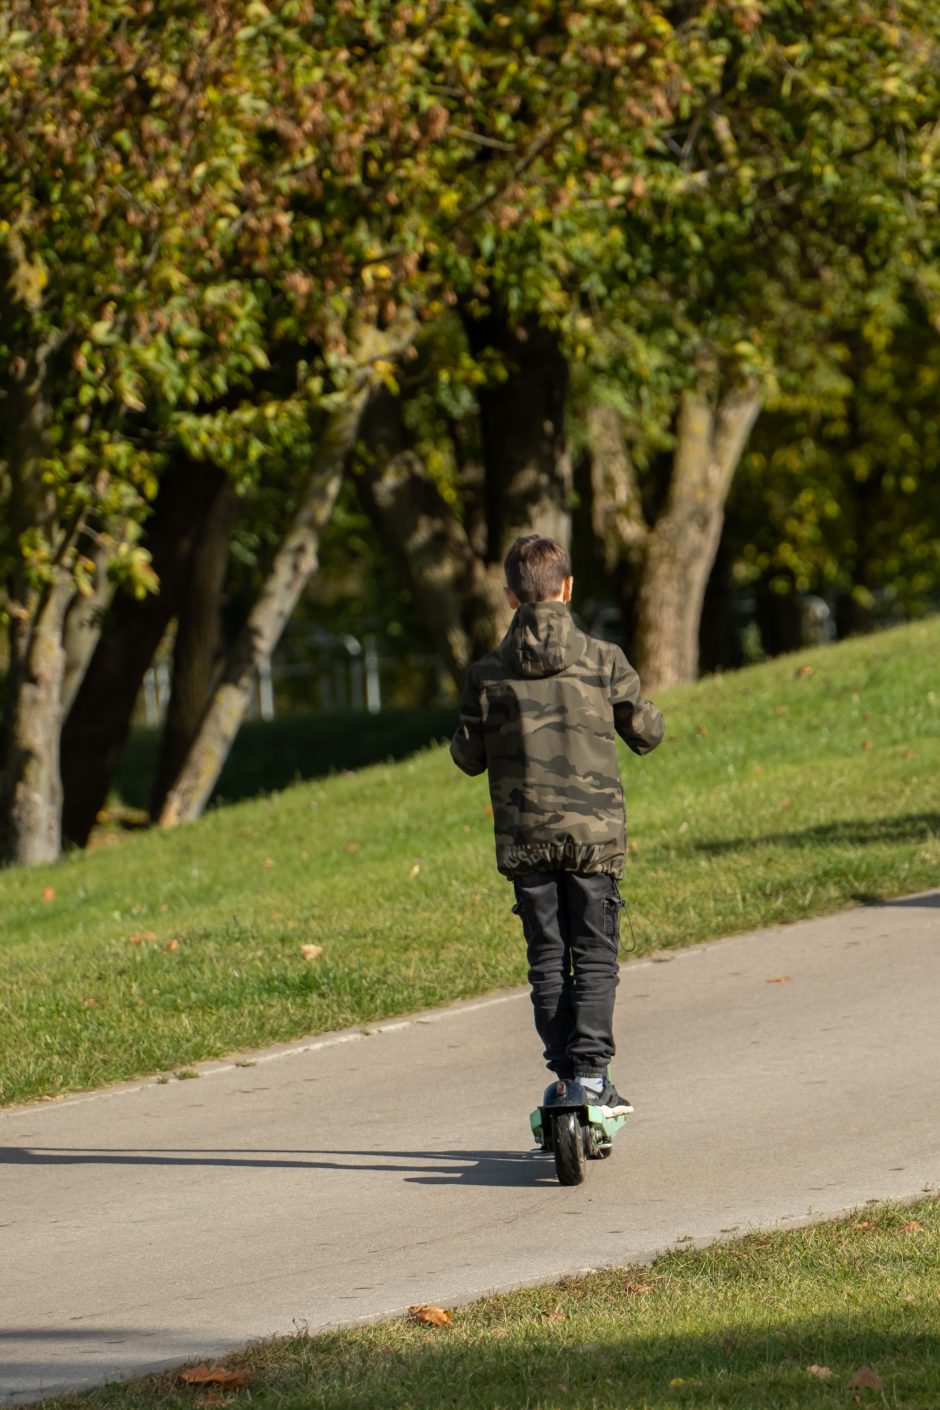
(857, 832)
(729, 1366)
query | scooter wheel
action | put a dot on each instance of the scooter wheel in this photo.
(568, 1145)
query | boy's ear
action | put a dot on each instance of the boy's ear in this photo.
(566, 589)
(512, 599)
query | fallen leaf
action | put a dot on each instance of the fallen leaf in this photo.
(432, 1316)
(803, 671)
(907, 753)
(702, 730)
(172, 945)
(866, 1379)
(635, 1289)
(633, 845)
(867, 744)
(785, 803)
(554, 1316)
(676, 1381)
(267, 864)
(139, 936)
(865, 1225)
(911, 1227)
(781, 979)
(311, 952)
(352, 847)
(487, 810)
(203, 1375)
(683, 826)
(89, 1003)
(48, 893)
(822, 1372)
(414, 871)
(758, 768)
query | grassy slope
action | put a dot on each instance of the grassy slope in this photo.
(778, 795)
(732, 1327)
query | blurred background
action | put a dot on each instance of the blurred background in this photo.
(309, 310)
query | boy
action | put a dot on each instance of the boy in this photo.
(539, 713)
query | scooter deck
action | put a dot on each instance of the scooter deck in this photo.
(603, 1128)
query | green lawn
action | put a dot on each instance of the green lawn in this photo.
(844, 1313)
(786, 790)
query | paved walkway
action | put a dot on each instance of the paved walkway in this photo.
(147, 1225)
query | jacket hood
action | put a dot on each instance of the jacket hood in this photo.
(542, 640)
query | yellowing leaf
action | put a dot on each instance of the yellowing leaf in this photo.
(823, 1373)
(311, 952)
(430, 1315)
(203, 1375)
(866, 1379)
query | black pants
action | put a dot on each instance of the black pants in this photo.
(571, 922)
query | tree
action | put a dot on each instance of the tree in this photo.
(807, 182)
(121, 149)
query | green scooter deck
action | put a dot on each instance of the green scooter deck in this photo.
(603, 1128)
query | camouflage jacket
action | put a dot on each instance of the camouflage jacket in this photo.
(539, 713)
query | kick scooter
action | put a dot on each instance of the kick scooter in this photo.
(573, 1130)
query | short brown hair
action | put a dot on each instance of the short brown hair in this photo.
(536, 568)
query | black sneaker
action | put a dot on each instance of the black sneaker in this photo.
(609, 1100)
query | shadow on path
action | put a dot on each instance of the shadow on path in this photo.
(509, 1169)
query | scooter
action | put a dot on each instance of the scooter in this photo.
(574, 1130)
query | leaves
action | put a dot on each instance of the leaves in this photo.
(822, 1373)
(866, 1379)
(430, 1316)
(311, 952)
(204, 1375)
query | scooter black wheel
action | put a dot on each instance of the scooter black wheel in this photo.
(568, 1145)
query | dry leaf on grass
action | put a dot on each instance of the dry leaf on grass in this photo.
(139, 936)
(822, 1372)
(172, 945)
(414, 871)
(637, 1289)
(867, 744)
(431, 1316)
(864, 1225)
(48, 893)
(866, 1379)
(203, 1375)
(913, 1226)
(803, 671)
(311, 952)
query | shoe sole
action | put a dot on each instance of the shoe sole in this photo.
(624, 1109)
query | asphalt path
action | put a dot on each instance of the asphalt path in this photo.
(778, 1077)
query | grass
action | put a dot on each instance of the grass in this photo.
(787, 790)
(736, 1326)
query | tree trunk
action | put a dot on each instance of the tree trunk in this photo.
(99, 722)
(82, 632)
(30, 780)
(31, 813)
(197, 650)
(458, 596)
(522, 432)
(294, 562)
(671, 554)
